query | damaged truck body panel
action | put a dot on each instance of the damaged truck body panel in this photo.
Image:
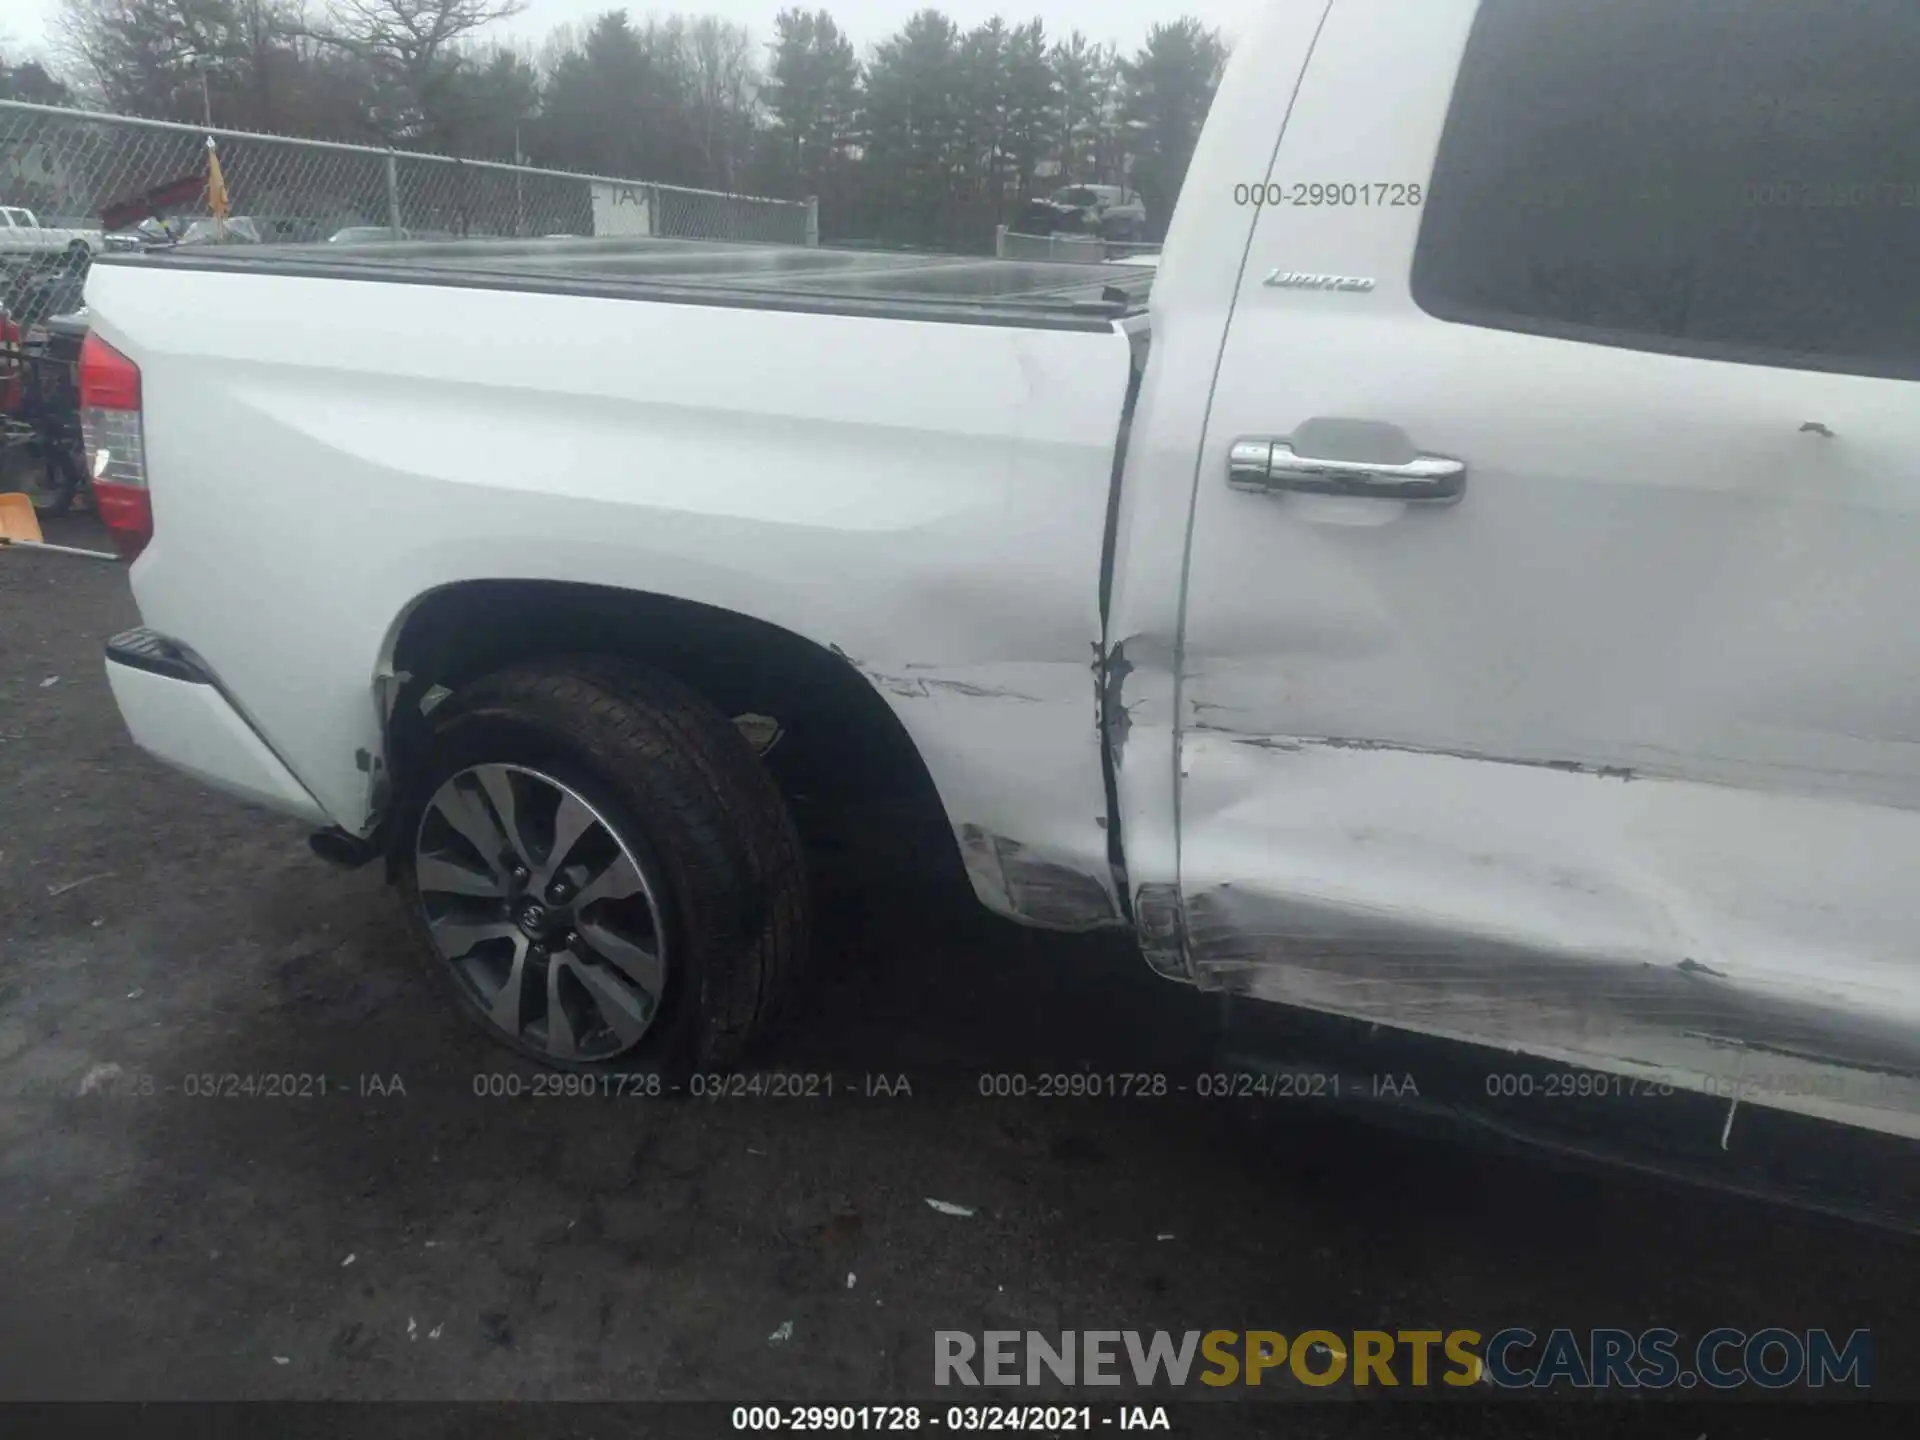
(1511, 643)
(946, 542)
(1144, 591)
(1034, 847)
(1608, 749)
(1717, 939)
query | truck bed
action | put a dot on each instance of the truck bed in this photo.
(953, 288)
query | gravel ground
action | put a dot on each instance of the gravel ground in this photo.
(403, 1237)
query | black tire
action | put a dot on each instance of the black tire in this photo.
(686, 793)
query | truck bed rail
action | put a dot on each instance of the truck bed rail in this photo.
(955, 289)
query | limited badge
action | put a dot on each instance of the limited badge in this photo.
(1302, 280)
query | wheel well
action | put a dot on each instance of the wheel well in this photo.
(840, 742)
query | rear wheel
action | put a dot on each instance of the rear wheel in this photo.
(600, 869)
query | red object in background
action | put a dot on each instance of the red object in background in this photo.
(185, 191)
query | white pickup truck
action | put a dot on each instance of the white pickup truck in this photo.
(21, 233)
(1474, 595)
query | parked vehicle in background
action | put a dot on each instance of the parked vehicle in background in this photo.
(1470, 598)
(21, 233)
(1110, 211)
(367, 235)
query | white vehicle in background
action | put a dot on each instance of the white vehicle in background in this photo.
(367, 235)
(1473, 597)
(22, 234)
(1107, 212)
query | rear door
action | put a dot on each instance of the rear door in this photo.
(1550, 671)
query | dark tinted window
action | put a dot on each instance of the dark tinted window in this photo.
(1738, 178)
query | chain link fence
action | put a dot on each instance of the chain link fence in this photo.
(68, 166)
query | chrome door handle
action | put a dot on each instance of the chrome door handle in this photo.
(1266, 466)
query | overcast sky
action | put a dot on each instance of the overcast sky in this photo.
(23, 22)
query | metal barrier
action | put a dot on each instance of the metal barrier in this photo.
(1075, 249)
(59, 162)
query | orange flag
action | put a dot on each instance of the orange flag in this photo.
(216, 183)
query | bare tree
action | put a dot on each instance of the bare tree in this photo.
(725, 82)
(415, 33)
(413, 46)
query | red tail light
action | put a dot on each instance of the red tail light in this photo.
(116, 452)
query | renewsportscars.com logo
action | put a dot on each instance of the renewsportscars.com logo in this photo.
(1511, 1359)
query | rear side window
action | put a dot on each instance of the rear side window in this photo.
(1738, 179)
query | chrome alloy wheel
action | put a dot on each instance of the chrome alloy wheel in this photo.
(542, 912)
